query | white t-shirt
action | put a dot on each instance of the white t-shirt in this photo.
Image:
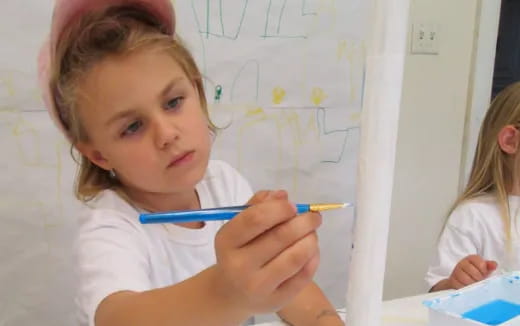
(476, 228)
(116, 253)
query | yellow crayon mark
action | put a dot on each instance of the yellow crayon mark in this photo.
(291, 130)
(356, 116)
(342, 49)
(317, 96)
(353, 52)
(8, 84)
(312, 127)
(278, 95)
(253, 112)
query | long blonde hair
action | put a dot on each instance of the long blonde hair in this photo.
(112, 32)
(494, 171)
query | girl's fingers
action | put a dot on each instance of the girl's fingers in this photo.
(253, 222)
(288, 263)
(473, 272)
(292, 286)
(268, 245)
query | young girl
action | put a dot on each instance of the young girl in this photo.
(481, 235)
(130, 99)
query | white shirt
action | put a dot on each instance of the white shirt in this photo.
(476, 228)
(117, 253)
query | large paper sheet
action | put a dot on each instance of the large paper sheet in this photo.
(290, 75)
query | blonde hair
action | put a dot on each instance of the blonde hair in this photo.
(494, 171)
(115, 31)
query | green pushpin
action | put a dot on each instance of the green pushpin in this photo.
(218, 93)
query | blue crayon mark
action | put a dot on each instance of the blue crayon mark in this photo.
(321, 120)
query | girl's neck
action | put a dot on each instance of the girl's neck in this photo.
(513, 188)
(515, 191)
(161, 202)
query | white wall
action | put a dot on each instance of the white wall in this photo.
(430, 142)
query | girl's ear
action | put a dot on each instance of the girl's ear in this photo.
(94, 155)
(509, 139)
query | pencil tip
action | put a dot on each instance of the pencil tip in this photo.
(326, 207)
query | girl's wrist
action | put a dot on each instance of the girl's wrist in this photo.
(226, 295)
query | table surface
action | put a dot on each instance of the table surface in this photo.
(399, 312)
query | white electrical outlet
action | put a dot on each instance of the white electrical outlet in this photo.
(425, 38)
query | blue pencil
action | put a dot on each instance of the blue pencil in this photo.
(219, 214)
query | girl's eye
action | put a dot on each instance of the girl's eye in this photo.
(132, 128)
(174, 104)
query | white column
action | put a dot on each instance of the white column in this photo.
(384, 78)
(481, 82)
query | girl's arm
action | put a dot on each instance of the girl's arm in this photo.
(310, 308)
(265, 257)
(462, 236)
(441, 286)
(200, 300)
(469, 270)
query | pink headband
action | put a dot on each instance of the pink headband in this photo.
(66, 11)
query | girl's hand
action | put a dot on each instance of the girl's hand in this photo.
(470, 270)
(266, 255)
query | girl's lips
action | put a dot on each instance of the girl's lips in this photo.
(181, 159)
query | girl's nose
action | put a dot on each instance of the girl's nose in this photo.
(166, 132)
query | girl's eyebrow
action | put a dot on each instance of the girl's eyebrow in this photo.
(121, 115)
(170, 85)
(125, 113)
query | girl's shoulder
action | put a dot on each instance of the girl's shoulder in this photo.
(483, 209)
(223, 185)
(485, 201)
(222, 174)
(110, 200)
(108, 208)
